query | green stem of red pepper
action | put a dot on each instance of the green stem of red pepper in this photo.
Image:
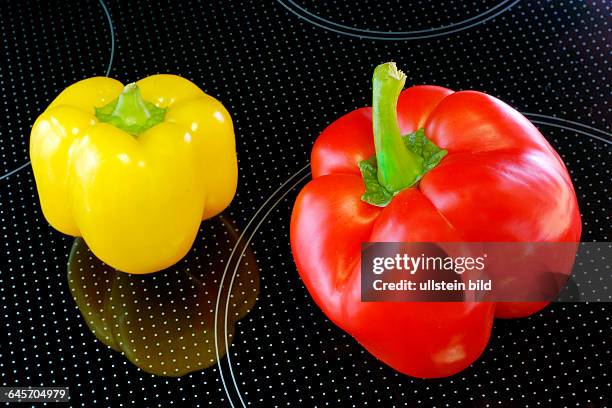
(398, 167)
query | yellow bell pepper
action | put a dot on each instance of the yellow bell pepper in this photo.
(134, 169)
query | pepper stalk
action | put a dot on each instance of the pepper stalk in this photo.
(130, 112)
(398, 167)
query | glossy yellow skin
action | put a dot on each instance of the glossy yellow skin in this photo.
(136, 201)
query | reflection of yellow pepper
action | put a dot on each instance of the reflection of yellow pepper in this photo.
(168, 325)
(133, 170)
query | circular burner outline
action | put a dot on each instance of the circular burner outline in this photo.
(329, 25)
(565, 124)
(570, 125)
(227, 264)
(108, 70)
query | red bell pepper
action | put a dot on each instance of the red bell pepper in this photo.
(474, 170)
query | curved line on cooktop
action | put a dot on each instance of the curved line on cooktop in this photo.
(23, 166)
(543, 122)
(112, 33)
(108, 70)
(231, 284)
(326, 24)
(227, 263)
(607, 136)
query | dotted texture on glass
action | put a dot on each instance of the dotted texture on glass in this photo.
(284, 79)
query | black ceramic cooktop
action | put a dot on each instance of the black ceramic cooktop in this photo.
(285, 69)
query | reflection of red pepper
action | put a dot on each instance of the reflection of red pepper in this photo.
(500, 181)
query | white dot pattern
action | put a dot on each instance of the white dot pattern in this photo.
(284, 79)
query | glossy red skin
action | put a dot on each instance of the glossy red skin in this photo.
(500, 182)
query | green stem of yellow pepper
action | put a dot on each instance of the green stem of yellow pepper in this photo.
(130, 106)
(130, 112)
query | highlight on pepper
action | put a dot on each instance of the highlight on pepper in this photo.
(134, 169)
(425, 165)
